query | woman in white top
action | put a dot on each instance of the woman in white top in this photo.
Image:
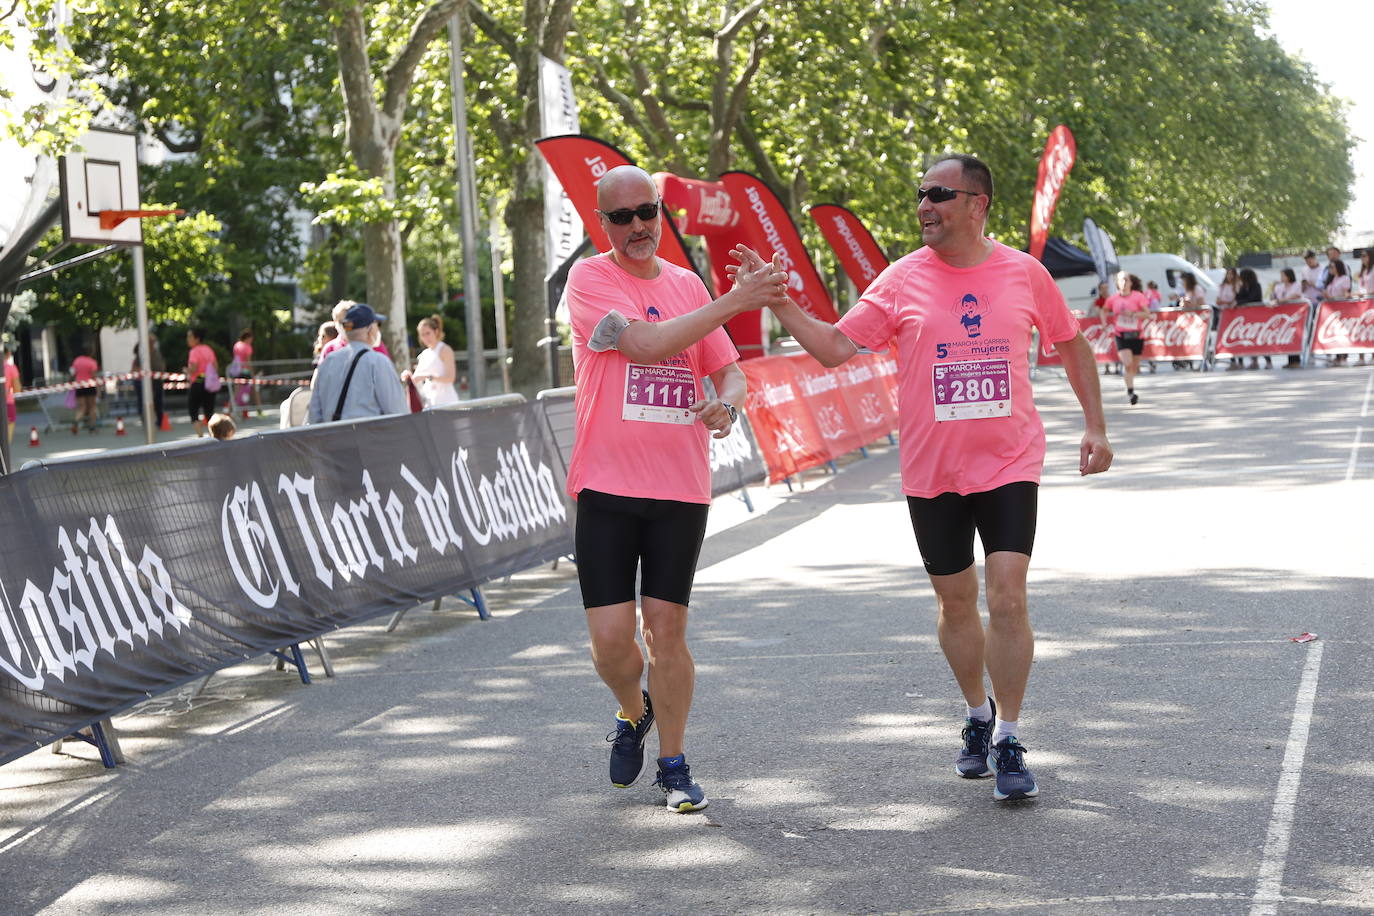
(1226, 293)
(1287, 288)
(1366, 277)
(436, 369)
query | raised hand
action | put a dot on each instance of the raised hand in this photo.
(759, 283)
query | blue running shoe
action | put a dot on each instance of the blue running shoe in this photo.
(680, 792)
(1014, 778)
(627, 746)
(973, 758)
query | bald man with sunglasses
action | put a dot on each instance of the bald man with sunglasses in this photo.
(645, 335)
(960, 311)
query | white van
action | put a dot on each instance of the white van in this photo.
(1165, 270)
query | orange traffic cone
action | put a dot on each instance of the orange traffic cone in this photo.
(166, 426)
(33, 437)
(119, 426)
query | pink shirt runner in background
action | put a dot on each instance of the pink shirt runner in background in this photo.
(651, 460)
(243, 352)
(84, 368)
(947, 319)
(1119, 306)
(337, 343)
(11, 381)
(200, 358)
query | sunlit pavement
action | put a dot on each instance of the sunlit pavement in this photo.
(458, 766)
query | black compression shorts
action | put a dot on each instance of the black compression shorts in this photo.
(1130, 341)
(944, 525)
(618, 534)
(199, 402)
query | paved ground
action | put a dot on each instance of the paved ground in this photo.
(1192, 759)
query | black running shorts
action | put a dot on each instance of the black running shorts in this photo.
(617, 535)
(944, 525)
(1130, 341)
(199, 402)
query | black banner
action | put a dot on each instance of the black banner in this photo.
(735, 460)
(126, 575)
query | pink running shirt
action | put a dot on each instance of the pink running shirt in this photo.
(638, 458)
(201, 358)
(84, 368)
(1117, 306)
(970, 325)
(334, 343)
(243, 351)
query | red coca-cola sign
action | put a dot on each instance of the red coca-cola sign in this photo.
(1345, 327)
(1262, 330)
(1176, 334)
(1098, 335)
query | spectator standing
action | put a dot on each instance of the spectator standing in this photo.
(1365, 280)
(1226, 292)
(242, 368)
(1311, 278)
(1153, 297)
(84, 368)
(155, 364)
(12, 387)
(1333, 257)
(1287, 288)
(1248, 293)
(222, 427)
(356, 381)
(341, 341)
(202, 380)
(436, 369)
(328, 331)
(1337, 286)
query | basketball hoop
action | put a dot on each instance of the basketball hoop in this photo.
(111, 218)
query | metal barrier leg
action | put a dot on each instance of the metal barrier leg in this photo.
(325, 661)
(112, 739)
(743, 494)
(396, 618)
(296, 658)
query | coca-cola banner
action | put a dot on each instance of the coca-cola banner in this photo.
(1055, 164)
(1261, 330)
(139, 572)
(1179, 334)
(579, 162)
(771, 231)
(1098, 335)
(1344, 327)
(852, 243)
(804, 415)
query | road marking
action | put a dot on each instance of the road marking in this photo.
(1359, 430)
(1364, 411)
(1270, 885)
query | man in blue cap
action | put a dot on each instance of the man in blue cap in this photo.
(356, 381)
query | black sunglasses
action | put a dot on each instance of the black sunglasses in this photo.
(626, 216)
(939, 195)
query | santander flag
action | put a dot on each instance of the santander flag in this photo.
(770, 230)
(1055, 163)
(579, 162)
(853, 244)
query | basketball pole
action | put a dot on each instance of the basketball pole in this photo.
(145, 359)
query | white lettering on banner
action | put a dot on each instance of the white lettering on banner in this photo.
(434, 516)
(1056, 173)
(1098, 337)
(781, 393)
(856, 375)
(733, 449)
(774, 237)
(97, 599)
(1175, 332)
(597, 166)
(871, 409)
(1281, 330)
(248, 536)
(819, 384)
(1343, 331)
(855, 250)
(714, 209)
(520, 499)
(831, 422)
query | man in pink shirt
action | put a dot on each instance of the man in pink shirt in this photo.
(960, 311)
(645, 334)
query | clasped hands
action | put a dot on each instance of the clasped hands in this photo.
(762, 283)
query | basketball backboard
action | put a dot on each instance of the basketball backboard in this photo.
(101, 174)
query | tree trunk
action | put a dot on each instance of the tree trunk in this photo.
(525, 218)
(386, 285)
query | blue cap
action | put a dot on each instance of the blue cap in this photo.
(360, 316)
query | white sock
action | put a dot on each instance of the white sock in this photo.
(982, 713)
(1004, 729)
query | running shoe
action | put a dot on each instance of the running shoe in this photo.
(680, 792)
(1135, 399)
(1014, 778)
(973, 758)
(627, 746)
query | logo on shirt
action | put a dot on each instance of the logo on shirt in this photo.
(971, 310)
(653, 314)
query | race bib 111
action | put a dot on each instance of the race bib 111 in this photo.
(659, 394)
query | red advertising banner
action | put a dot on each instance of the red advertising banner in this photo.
(823, 390)
(782, 421)
(872, 409)
(700, 207)
(1344, 327)
(852, 243)
(1262, 330)
(1099, 337)
(579, 161)
(770, 230)
(1055, 163)
(1176, 334)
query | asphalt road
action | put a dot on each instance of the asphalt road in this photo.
(1192, 759)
